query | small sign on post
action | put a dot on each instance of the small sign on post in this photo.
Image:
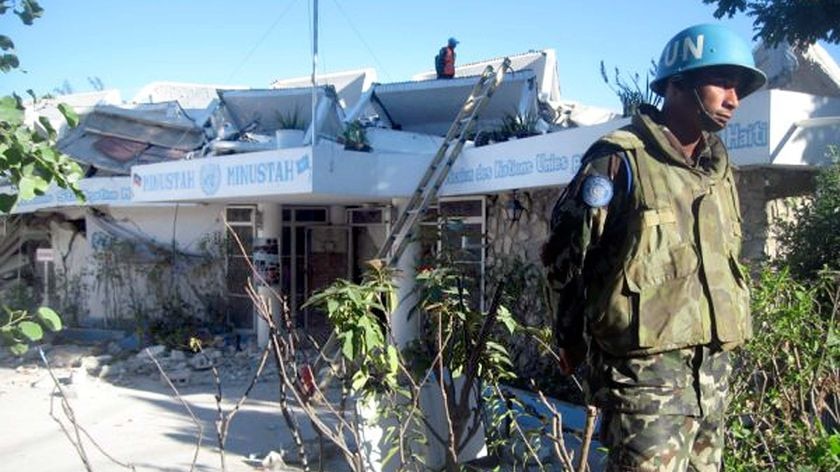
(44, 254)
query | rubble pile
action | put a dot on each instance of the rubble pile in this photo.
(118, 365)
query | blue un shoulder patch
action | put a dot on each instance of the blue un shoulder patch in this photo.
(596, 191)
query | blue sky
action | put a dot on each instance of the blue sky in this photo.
(127, 44)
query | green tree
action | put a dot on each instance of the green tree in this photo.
(785, 385)
(27, 11)
(797, 22)
(29, 162)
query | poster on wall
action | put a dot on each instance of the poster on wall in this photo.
(266, 261)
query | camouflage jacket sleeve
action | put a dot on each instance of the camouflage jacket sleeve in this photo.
(578, 228)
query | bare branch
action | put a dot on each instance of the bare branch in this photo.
(591, 414)
(557, 433)
(184, 404)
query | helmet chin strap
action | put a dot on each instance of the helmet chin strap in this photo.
(707, 121)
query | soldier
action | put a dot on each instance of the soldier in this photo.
(642, 262)
(445, 60)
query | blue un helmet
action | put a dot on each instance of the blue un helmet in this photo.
(708, 45)
(452, 42)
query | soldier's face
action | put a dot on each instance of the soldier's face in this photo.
(719, 96)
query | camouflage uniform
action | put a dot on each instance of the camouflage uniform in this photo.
(647, 282)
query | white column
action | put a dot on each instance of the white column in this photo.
(431, 400)
(271, 227)
(404, 329)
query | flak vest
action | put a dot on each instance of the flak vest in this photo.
(449, 62)
(678, 282)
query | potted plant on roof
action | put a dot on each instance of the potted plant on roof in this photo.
(519, 125)
(354, 137)
(290, 130)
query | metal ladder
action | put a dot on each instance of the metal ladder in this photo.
(430, 183)
(435, 175)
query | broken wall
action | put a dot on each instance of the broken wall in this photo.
(71, 252)
(129, 265)
(769, 195)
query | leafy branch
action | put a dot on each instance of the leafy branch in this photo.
(775, 21)
(27, 11)
(28, 159)
(29, 164)
(359, 315)
(19, 328)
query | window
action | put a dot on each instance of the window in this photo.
(454, 229)
(239, 246)
(306, 215)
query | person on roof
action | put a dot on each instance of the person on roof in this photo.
(445, 60)
(642, 262)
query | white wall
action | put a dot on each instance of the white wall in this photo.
(766, 129)
(538, 161)
(806, 145)
(219, 178)
(187, 224)
(748, 135)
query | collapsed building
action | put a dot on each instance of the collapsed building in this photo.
(189, 186)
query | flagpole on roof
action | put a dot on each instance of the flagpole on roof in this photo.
(314, 69)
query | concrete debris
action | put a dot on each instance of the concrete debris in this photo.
(22, 369)
(79, 377)
(129, 343)
(45, 381)
(155, 351)
(114, 348)
(176, 355)
(119, 366)
(273, 461)
(201, 361)
(111, 371)
(93, 364)
(179, 378)
(91, 377)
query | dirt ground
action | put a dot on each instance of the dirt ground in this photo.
(137, 421)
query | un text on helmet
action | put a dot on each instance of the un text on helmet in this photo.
(684, 48)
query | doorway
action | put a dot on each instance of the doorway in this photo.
(326, 260)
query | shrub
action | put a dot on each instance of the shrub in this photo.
(785, 409)
(632, 95)
(811, 240)
(786, 385)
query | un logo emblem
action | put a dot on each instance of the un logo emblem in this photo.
(211, 178)
(597, 191)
